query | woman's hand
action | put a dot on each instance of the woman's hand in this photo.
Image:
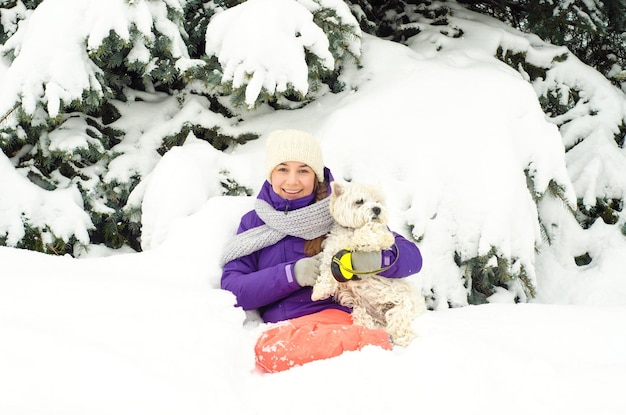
(366, 261)
(307, 270)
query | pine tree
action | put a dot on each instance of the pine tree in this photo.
(166, 61)
(118, 58)
(344, 43)
(592, 31)
(160, 53)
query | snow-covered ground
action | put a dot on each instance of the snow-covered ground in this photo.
(149, 334)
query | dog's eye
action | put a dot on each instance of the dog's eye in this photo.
(359, 202)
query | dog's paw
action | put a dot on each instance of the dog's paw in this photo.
(322, 291)
(387, 239)
(372, 237)
(318, 295)
(404, 338)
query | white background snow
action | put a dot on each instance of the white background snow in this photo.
(447, 135)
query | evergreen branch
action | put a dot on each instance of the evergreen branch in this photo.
(9, 115)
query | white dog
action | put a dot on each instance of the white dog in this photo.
(377, 302)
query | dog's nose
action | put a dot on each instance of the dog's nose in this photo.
(376, 210)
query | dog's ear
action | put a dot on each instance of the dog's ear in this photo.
(336, 188)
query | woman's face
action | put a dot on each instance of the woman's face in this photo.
(292, 180)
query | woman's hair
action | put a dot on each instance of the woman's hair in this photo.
(314, 246)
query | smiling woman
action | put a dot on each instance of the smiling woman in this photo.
(273, 262)
(292, 180)
(293, 163)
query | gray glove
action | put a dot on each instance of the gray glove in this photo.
(367, 261)
(306, 271)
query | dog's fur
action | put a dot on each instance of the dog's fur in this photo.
(377, 302)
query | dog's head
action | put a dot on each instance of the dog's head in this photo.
(353, 205)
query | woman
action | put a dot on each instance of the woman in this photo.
(273, 261)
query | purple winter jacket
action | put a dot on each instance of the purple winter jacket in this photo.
(264, 280)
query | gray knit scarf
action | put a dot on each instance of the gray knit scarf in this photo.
(308, 223)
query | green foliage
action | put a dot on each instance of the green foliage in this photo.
(485, 272)
(197, 16)
(227, 4)
(518, 61)
(44, 240)
(52, 168)
(28, 4)
(117, 226)
(10, 10)
(12, 140)
(231, 187)
(220, 141)
(593, 30)
(340, 35)
(620, 135)
(607, 209)
(378, 18)
(120, 72)
(558, 101)
(30, 142)
(398, 20)
(212, 135)
(554, 190)
(110, 56)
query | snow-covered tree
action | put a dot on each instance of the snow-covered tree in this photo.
(58, 125)
(589, 111)
(316, 38)
(594, 31)
(202, 68)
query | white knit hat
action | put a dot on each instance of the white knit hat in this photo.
(293, 145)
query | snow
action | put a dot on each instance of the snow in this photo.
(247, 60)
(448, 134)
(55, 37)
(148, 333)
